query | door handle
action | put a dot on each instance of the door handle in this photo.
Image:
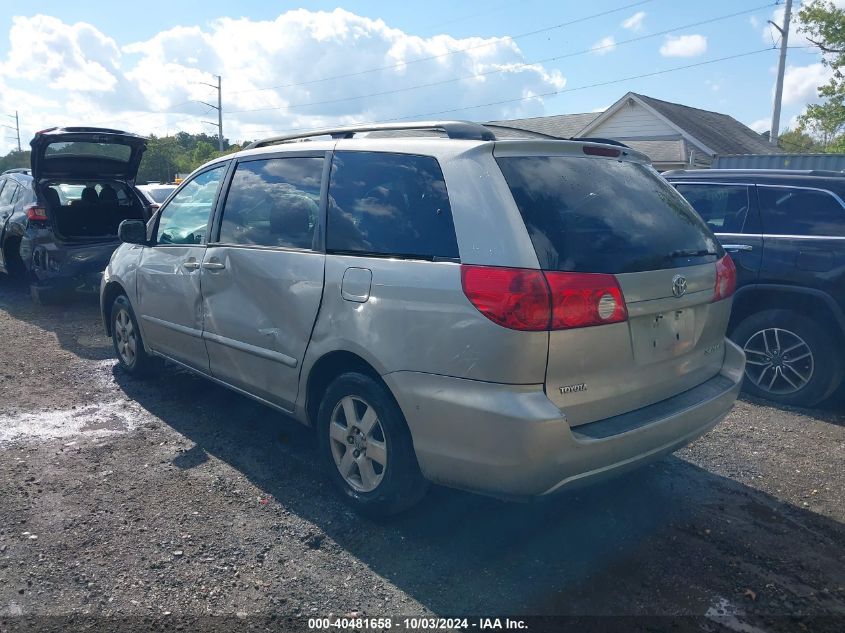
(213, 265)
(734, 248)
(191, 265)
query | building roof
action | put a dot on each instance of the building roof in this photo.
(561, 125)
(720, 132)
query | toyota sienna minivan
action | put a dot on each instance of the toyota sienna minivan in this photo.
(513, 317)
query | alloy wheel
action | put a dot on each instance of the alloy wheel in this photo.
(778, 361)
(358, 443)
(125, 337)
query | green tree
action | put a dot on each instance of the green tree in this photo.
(14, 159)
(203, 152)
(798, 141)
(824, 25)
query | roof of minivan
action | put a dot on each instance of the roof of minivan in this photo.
(767, 174)
(431, 145)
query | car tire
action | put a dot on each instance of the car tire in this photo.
(373, 463)
(784, 350)
(127, 342)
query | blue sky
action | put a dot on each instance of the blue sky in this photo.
(127, 63)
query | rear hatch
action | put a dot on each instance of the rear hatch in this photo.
(86, 153)
(605, 221)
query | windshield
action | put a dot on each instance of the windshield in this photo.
(605, 216)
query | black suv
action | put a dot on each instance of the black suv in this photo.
(16, 195)
(60, 219)
(785, 231)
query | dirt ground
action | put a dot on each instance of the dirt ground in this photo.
(174, 497)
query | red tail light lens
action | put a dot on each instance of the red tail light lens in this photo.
(34, 213)
(725, 278)
(514, 298)
(585, 299)
(532, 300)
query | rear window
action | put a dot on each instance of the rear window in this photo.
(113, 151)
(605, 216)
(389, 204)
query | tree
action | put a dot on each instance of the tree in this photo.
(203, 152)
(824, 25)
(797, 141)
(14, 159)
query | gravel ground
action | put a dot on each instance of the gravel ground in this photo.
(174, 497)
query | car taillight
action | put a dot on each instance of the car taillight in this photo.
(522, 299)
(34, 213)
(515, 298)
(725, 278)
(585, 299)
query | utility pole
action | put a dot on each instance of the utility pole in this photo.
(218, 107)
(17, 128)
(774, 130)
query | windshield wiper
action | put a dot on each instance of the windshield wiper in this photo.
(691, 253)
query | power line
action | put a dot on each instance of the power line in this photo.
(454, 52)
(509, 69)
(556, 92)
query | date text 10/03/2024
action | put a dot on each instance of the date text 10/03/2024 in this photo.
(416, 624)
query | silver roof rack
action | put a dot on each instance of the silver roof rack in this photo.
(466, 130)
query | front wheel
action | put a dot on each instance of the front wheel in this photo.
(126, 339)
(790, 358)
(367, 446)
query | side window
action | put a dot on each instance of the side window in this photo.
(788, 211)
(8, 193)
(185, 219)
(389, 204)
(273, 202)
(722, 207)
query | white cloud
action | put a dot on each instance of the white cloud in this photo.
(76, 74)
(754, 21)
(761, 125)
(635, 22)
(801, 83)
(683, 46)
(604, 46)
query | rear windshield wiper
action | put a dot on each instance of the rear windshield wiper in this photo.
(691, 253)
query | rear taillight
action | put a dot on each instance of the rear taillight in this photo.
(515, 298)
(34, 213)
(725, 278)
(585, 299)
(522, 299)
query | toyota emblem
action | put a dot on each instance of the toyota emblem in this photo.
(679, 285)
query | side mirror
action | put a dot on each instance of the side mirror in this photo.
(132, 232)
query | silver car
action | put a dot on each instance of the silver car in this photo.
(512, 317)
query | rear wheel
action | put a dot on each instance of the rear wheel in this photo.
(126, 338)
(367, 446)
(790, 358)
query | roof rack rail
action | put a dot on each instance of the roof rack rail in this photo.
(596, 139)
(17, 170)
(466, 130)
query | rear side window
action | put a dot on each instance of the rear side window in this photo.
(604, 216)
(788, 211)
(389, 204)
(273, 202)
(722, 207)
(8, 193)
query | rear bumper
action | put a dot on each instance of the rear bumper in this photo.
(69, 266)
(511, 440)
